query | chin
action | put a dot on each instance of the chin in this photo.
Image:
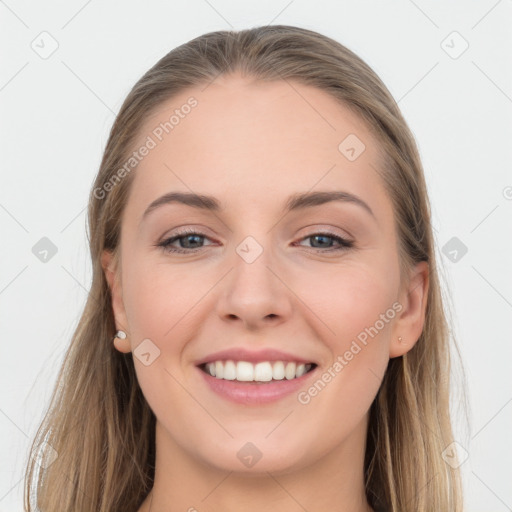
(257, 457)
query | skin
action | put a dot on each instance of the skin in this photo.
(252, 145)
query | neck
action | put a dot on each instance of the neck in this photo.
(334, 482)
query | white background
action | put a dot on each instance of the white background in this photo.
(56, 114)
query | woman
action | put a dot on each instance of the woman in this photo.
(265, 328)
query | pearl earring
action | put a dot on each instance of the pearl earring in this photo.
(400, 339)
(120, 334)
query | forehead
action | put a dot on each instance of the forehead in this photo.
(249, 142)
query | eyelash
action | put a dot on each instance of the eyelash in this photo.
(166, 244)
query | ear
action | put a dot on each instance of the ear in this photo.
(413, 299)
(113, 277)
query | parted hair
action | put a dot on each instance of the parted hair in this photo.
(94, 450)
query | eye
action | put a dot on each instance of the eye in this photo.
(325, 246)
(190, 239)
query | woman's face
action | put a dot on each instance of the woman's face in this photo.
(255, 276)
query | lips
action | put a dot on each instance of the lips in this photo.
(260, 356)
(255, 393)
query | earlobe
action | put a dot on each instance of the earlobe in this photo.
(121, 342)
(409, 326)
(113, 279)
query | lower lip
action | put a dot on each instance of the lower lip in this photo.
(254, 393)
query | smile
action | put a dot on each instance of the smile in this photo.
(265, 371)
(258, 383)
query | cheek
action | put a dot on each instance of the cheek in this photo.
(159, 299)
(359, 311)
(350, 301)
(159, 302)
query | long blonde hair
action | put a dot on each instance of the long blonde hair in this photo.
(95, 448)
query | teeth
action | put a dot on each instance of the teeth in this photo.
(219, 369)
(278, 370)
(229, 370)
(244, 371)
(289, 372)
(301, 370)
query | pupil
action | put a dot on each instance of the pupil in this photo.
(320, 237)
(191, 236)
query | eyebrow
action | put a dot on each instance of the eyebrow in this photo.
(295, 202)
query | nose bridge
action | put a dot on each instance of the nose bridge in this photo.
(252, 291)
(252, 259)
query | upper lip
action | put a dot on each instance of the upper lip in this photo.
(252, 356)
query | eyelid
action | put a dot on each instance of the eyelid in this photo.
(188, 229)
(312, 229)
(328, 228)
(342, 242)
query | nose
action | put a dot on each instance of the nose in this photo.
(254, 293)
